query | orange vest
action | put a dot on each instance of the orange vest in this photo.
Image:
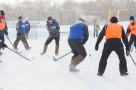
(113, 31)
(2, 26)
(132, 28)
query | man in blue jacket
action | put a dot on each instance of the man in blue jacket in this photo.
(21, 31)
(53, 28)
(27, 26)
(77, 38)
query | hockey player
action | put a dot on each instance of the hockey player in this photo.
(21, 31)
(53, 28)
(27, 27)
(77, 38)
(3, 27)
(113, 33)
(131, 29)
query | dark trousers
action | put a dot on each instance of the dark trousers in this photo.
(49, 40)
(117, 46)
(132, 40)
(27, 32)
(95, 33)
(77, 47)
(23, 39)
(2, 38)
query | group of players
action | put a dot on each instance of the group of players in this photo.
(78, 36)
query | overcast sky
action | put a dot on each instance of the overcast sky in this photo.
(13, 1)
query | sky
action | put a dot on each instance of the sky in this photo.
(13, 1)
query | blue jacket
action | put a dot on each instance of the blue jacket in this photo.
(53, 29)
(76, 31)
(4, 31)
(27, 25)
(22, 29)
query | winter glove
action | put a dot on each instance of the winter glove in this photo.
(127, 53)
(96, 47)
(4, 46)
(18, 34)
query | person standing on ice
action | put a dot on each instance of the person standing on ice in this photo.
(21, 31)
(96, 28)
(78, 36)
(131, 29)
(27, 27)
(3, 27)
(53, 28)
(113, 33)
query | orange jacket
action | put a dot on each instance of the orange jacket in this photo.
(132, 28)
(2, 26)
(113, 31)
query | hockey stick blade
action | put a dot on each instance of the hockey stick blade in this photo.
(54, 58)
(32, 58)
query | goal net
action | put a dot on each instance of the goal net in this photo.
(33, 33)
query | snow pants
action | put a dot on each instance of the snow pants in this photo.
(23, 39)
(117, 46)
(77, 47)
(49, 40)
(132, 40)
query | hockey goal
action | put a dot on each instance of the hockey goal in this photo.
(33, 33)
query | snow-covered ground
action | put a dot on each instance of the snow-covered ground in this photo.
(43, 73)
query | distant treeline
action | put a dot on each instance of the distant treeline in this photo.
(67, 12)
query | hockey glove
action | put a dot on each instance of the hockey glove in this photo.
(4, 46)
(96, 47)
(127, 53)
(18, 34)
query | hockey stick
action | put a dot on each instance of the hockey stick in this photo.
(132, 59)
(21, 55)
(64, 32)
(60, 57)
(13, 46)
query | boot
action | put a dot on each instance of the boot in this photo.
(71, 70)
(44, 50)
(99, 74)
(75, 62)
(124, 74)
(28, 48)
(56, 49)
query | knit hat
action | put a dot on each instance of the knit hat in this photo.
(113, 19)
(2, 12)
(131, 18)
(49, 18)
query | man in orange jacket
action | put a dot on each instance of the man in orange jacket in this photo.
(131, 29)
(113, 33)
